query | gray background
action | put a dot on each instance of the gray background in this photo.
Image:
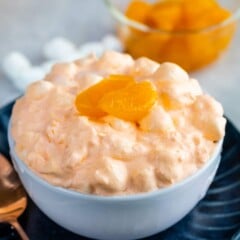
(25, 25)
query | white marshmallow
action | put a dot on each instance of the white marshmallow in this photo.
(113, 62)
(91, 47)
(111, 42)
(157, 120)
(144, 179)
(14, 64)
(112, 175)
(63, 74)
(38, 89)
(77, 55)
(58, 49)
(170, 72)
(143, 67)
(207, 116)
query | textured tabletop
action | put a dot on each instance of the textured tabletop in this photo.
(27, 24)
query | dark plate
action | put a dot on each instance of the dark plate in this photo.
(216, 217)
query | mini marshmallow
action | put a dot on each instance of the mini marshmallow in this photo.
(18, 68)
(157, 120)
(208, 117)
(62, 74)
(38, 89)
(144, 179)
(14, 64)
(113, 62)
(111, 42)
(91, 47)
(170, 72)
(58, 49)
(142, 68)
(77, 55)
(112, 175)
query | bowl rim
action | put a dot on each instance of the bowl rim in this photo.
(121, 198)
(122, 18)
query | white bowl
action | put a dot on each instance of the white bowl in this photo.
(120, 217)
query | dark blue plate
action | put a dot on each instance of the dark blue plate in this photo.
(216, 217)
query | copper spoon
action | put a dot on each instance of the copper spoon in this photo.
(13, 200)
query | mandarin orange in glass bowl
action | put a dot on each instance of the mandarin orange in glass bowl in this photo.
(189, 33)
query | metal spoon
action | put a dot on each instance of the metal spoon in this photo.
(13, 200)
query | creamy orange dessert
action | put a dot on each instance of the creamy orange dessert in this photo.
(116, 126)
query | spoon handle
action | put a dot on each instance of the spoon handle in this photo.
(19, 229)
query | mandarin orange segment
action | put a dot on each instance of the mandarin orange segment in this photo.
(195, 8)
(199, 14)
(121, 79)
(131, 103)
(138, 10)
(87, 101)
(164, 15)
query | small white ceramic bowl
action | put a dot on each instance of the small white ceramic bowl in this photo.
(120, 217)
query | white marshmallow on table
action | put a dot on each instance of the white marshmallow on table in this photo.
(91, 47)
(111, 42)
(62, 49)
(20, 71)
(58, 49)
(77, 55)
(14, 64)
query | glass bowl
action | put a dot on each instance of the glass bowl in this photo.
(191, 49)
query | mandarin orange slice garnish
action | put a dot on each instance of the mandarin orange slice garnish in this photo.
(131, 103)
(87, 101)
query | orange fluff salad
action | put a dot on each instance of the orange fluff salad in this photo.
(116, 126)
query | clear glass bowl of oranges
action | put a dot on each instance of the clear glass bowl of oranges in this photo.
(191, 33)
